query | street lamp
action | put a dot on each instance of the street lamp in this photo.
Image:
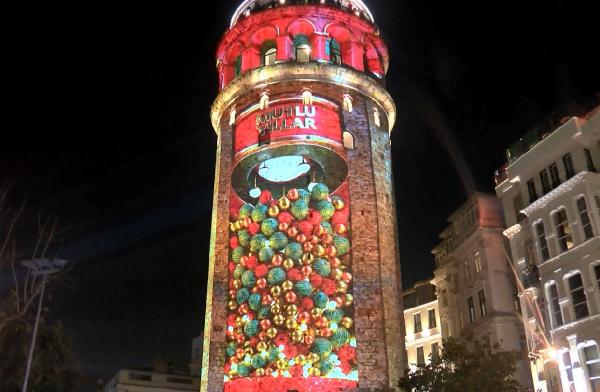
(37, 267)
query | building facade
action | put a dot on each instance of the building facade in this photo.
(304, 278)
(550, 191)
(128, 380)
(474, 279)
(422, 324)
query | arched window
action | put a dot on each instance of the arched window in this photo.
(269, 53)
(302, 48)
(238, 65)
(348, 140)
(335, 53)
(347, 103)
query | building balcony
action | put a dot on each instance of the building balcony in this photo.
(530, 277)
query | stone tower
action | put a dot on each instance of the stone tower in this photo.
(304, 279)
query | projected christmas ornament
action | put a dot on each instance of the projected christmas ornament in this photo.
(304, 267)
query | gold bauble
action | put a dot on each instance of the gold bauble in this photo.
(313, 357)
(313, 371)
(297, 336)
(284, 203)
(287, 285)
(307, 258)
(319, 250)
(316, 312)
(272, 332)
(337, 273)
(249, 351)
(288, 263)
(278, 319)
(237, 284)
(273, 211)
(338, 204)
(240, 354)
(291, 310)
(300, 359)
(232, 305)
(276, 308)
(341, 286)
(348, 299)
(275, 291)
(232, 227)
(346, 322)
(239, 322)
(259, 372)
(281, 364)
(239, 225)
(262, 346)
(291, 323)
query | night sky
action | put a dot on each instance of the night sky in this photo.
(105, 124)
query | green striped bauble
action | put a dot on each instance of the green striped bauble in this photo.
(340, 337)
(257, 243)
(327, 226)
(259, 213)
(238, 272)
(299, 209)
(269, 226)
(276, 276)
(251, 328)
(319, 192)
(244, 238)
(304, 195)
(242, 295)
(264, 312)
(334, 315)
(230, 350)
(342, 245)
(325, 366)
(243, 370)
(258, 361)
(237, 254)
(266, 254)
(278, 241)
(273, 354)
(322, 267)
(246, 211)
(303, 288)
(322, 347)
(248, 279)
(320, 299)
(326, 209)
(293, 251)
(254, 301)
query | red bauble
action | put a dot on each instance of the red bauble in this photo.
(277, 260)
(265, 324)
(319, 230)
(253, 342)
(308, 339)
(265, 197)
(313, 239)
(261, 283)
(316, 280)
(314, 217)
(346, 353)
(261, 270)
(306, 271)
(290, 297)
(234, 242)
(307, 303)
(301, 238)
(307, 246)
(339, 217)
(267, 300)
(328, 286)
(243, 261)
(251, 262)
(294, 275)
(281, 339)
(303, 317)
(339, 301)
(327, 238)
(347, 277)
(296, 371)
(326, 332)
(290, 351)
(231, 319)
(345, 367)
(293, 194)
(306, 228)
(285, 217)
(253, 228)
(231, 266)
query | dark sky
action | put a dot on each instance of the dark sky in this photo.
(105, 124)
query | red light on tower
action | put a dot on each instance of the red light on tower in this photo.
(304, 290)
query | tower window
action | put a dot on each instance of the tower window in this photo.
(347, 103)
(269, 56)
(532, 192)
(555, 310)
(302, 49)
(540, 233)
(554, 175)
(585, 218)
(335, 53)
(589, 161)
(563, 230)
(238, 65)
(545, 181)
(578, 296)
(569, 168)
(482, 307)
(348, 140)
(471, 309)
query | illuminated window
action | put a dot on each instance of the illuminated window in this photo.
(477, 259)
(564, 235)
(420, 356)
(586, 224)
(283, 169)
(238, 65)
(578, 297)
(467, 269)
(432, 320)
(307, 97)
(540, 234)
(435, 350)
(232, 114)
(302, 48)
(376, 117)
(347, 103)
(471, 309)
(482, 307)
(553, 300)
(269, 56)
(264, 101)
(348, 140)
(335, 53)
(417, 322)
(592, 362)
(567, 367)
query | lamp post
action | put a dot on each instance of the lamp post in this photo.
(39, 267)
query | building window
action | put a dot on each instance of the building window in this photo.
(471, 309)
(545, 181)
(532, 192)
(335, 52)
(417, 322)
(589, 161)
(567, 367)
(592, 362)
(302, 48)
(432, 320)
(586, 223)
(269, 54)
(435, 350)
(568, 163)
(347, 103)
(554, 175)
(348, 140)
(467, 271)
(563, 230)
(553, 300)
(597, 273)
(482, 307)
(420, 356)
(477, 260)
(578, 296)
(237, 67)
(540, 233)
(376, 117)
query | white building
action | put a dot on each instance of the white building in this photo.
(421, 318)
(474, 279)
(551, 196)
(143, 381)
